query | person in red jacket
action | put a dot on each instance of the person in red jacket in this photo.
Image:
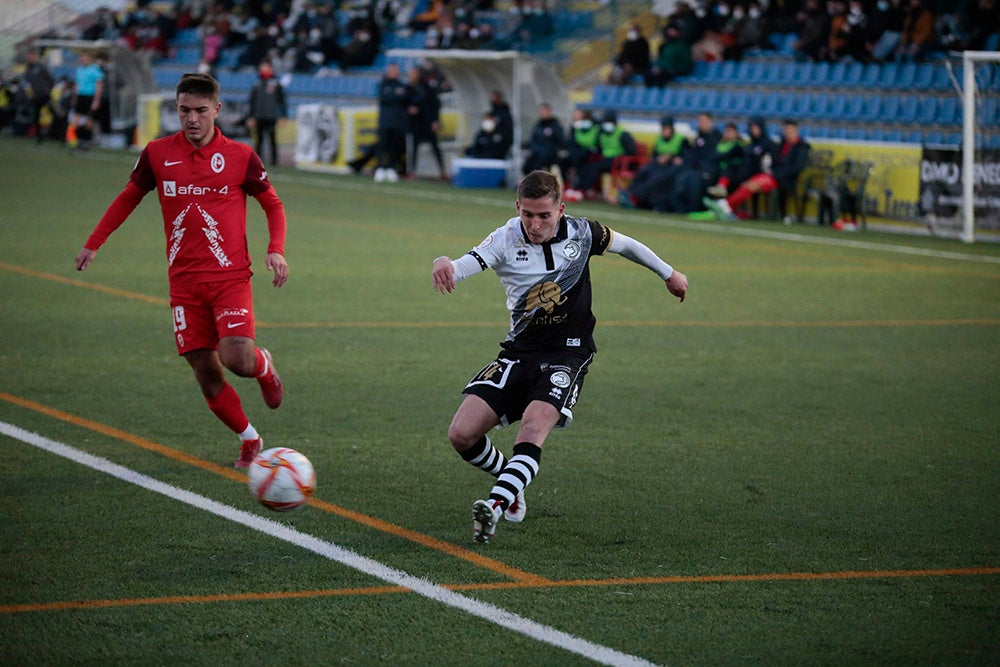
(202, 179)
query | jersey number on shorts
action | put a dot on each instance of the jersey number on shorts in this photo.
(495, 373)
(180, 324)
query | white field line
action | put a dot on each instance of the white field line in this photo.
(483, 610)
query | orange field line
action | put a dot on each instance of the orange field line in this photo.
(571, 583)
(79, 283)
(364, 519)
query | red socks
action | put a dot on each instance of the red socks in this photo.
(228, 408)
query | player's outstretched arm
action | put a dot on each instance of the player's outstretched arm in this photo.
(84, 258)
(677, 283)
(275, 261)
(443, 275)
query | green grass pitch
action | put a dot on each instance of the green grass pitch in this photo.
(798, 465)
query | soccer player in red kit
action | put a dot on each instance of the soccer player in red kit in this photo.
(202, 179)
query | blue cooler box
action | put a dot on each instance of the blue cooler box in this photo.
(479, 173)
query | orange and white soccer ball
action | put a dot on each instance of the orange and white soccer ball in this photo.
(281, 479)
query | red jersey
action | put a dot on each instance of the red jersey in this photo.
(203, 197)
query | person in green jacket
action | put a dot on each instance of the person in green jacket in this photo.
(613, 141)
(674, 59)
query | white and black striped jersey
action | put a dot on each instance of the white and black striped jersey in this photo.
(547, 284)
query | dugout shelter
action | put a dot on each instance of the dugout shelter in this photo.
(524, 81)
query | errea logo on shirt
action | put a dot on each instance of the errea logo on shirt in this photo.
(171, 189)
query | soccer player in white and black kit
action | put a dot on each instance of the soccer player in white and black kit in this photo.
(542, 258)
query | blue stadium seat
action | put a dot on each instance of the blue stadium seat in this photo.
(751, 72)
(909, 107)
(873, 107)
(924, 77)
(889, 109)
(602, 96)
(855, 108)
(887, 75)
(927, 111)
(988, 112)
(853, 73)
(934, 137)
(837, 107)
(872, 76)
(819, 76)
(712, 72)
(803, 74)
(668, 99)
(949, 111)
(942, 80)
(905, 76)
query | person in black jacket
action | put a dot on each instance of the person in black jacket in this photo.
(547, 138)
(489, 142)
(424, 122)
(780, 173)
(267, 107)
(394, 98)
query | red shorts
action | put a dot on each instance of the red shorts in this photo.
(206, 312)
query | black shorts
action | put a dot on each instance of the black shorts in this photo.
(513, 380)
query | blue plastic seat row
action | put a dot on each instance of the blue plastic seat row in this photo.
(872, 108)
(884, 76)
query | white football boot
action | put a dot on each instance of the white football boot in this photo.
(515, 513)
(485, 517)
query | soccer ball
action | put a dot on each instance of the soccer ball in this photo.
(281, 479)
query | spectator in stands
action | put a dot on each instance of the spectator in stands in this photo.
(658, 174)
(730, 152)
(505, 121)
(89, 88)
(884, 28)
(612, 141)
(366, 40)
(917, 35)
(581, 145)
(856, 31)
(424, 122)
(547, 138)
(37, 82)
(983, 22)
(633, 57)
(266, 108)
(813, 32)
(700, 169)
(394, 98)
(673, 60)
(780, 174)
(489, 142)
(836, 42)
(749, 31)
(758, 145)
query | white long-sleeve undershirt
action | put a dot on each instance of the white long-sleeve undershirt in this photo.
(621, 244)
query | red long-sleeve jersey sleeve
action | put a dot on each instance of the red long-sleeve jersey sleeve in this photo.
(116, 214)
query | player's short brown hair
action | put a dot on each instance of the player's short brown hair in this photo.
(203, 85)
(539, 185)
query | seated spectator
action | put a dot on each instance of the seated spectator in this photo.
(730, 152)
(658, 174)
(750, 30)
(759, 144)
(673, 60)
(361, 51)
(612, 141)
(884, 28)
(489, 142)
(856, 32)
(780, 173)
(699, 170)
(547, 138)
(581, 145)
(917, 35)
(633, 57)
(813, 31)
(837, 40)
(504, 119)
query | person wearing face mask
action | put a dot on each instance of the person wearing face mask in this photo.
(884, 28)
(857, 31)
(489, 142)
(633, 57)
(813, 31)
(547, 137)
(267, 106)
(580, 145)
(612, 141)
(917, 35)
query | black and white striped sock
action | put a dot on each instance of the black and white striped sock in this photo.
(485, 456)
(517, 474)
